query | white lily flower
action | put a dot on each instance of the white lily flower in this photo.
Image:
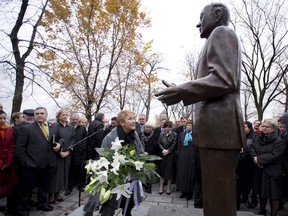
(88, 166)
(120, 158)
(103, 162)
(115, 170)
(138, 165)
(103, 177)
(94, 166)
(116, 145)
(116, 166)
(122, 190)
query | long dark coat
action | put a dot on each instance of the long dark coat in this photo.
(166, 166)
(186, 165)
(95, 127)
(150, 143)
(245, 168)
(80, 150)
(59, 179)
(269, 153)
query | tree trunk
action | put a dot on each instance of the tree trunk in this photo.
(286, 99)
(17, 98)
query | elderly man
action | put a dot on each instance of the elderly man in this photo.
(218, 122)
(28, 115)
(140, 124)
(76, 169)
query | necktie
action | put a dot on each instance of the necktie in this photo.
(42, 126)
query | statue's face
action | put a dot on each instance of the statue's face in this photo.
(207, 22)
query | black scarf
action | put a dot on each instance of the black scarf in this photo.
(128, 138)
(146, 137)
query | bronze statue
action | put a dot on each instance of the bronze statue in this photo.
(218, 123)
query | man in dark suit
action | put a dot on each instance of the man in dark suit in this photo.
(96, 127)
(140, 124)
(218, 121)
(113, 124)
(36, 151)
(76, 169)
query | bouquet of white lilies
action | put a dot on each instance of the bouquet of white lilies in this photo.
(118, 170)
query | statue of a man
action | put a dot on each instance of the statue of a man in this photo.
(218, 122)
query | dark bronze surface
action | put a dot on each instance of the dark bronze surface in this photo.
(217, 116)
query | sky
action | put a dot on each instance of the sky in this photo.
(174, 34)
(174, 31)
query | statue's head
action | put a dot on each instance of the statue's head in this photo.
(212, 16)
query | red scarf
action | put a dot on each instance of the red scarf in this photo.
(2, 130)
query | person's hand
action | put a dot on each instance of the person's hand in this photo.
(165, 152)
(57, 147)
(256, 162)
(170, 95)
(64, 154)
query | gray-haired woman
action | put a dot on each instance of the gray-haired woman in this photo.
(267, 151)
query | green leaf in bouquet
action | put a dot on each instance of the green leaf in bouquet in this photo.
(130, 147)
(105, 152)
(151, 157)
(150, 165)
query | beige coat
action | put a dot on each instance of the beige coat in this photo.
(217, 120)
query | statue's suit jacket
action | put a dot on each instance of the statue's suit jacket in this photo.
(33, 150)
(217, 119)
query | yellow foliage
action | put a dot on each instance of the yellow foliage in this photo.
(49, 55)
(61, 9)
(93, 38)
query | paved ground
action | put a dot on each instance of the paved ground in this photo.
(153, 205)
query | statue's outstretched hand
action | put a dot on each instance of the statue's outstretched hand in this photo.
(170, 95)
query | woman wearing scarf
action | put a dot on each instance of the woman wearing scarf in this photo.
(267, 153)
(8, 175)
(167, 143)
(126, 132)
(186, 160)
(149, 140)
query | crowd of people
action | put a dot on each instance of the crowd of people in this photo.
(49, 157)
(262, 167)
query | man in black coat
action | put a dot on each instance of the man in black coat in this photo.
(113, 124)
(96, 127)
(180, 129)
(36, 156)
(140, 124)
(283, 134)
(76, 169)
